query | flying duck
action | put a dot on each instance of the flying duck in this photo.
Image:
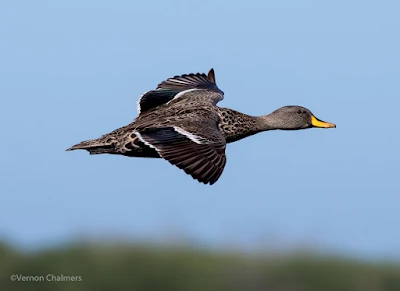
(180, 122)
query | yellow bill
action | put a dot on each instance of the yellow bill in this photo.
(319, 123)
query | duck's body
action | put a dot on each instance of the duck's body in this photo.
(123, 141)
(180, 122)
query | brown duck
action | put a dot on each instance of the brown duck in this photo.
(180, 122)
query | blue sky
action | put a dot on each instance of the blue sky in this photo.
(73, 70)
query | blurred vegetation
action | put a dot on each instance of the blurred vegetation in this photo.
(135, 267)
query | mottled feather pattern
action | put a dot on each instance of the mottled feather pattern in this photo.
(180, 122)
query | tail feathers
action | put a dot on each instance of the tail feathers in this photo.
(94, 146)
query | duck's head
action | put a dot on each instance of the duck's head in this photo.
(296, 117)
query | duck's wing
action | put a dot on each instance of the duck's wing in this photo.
(198, 87)
(197, 147)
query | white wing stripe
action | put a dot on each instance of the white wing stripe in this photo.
(138, 103)
(145, 142)
(192, 137)
(180, 94)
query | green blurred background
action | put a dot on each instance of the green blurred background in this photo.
(130, 266)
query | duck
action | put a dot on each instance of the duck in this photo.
(180, 122)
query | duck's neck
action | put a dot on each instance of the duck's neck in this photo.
(269, 122)
(236, 125)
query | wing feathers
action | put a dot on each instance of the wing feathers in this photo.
(204, 162)
(179, 87)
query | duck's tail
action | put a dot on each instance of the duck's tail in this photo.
(102, 145)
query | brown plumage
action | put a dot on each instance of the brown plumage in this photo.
(180, 122)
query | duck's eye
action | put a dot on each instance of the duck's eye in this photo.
(299, 111)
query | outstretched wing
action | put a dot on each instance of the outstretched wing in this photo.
(197, 147)
(194, 86)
